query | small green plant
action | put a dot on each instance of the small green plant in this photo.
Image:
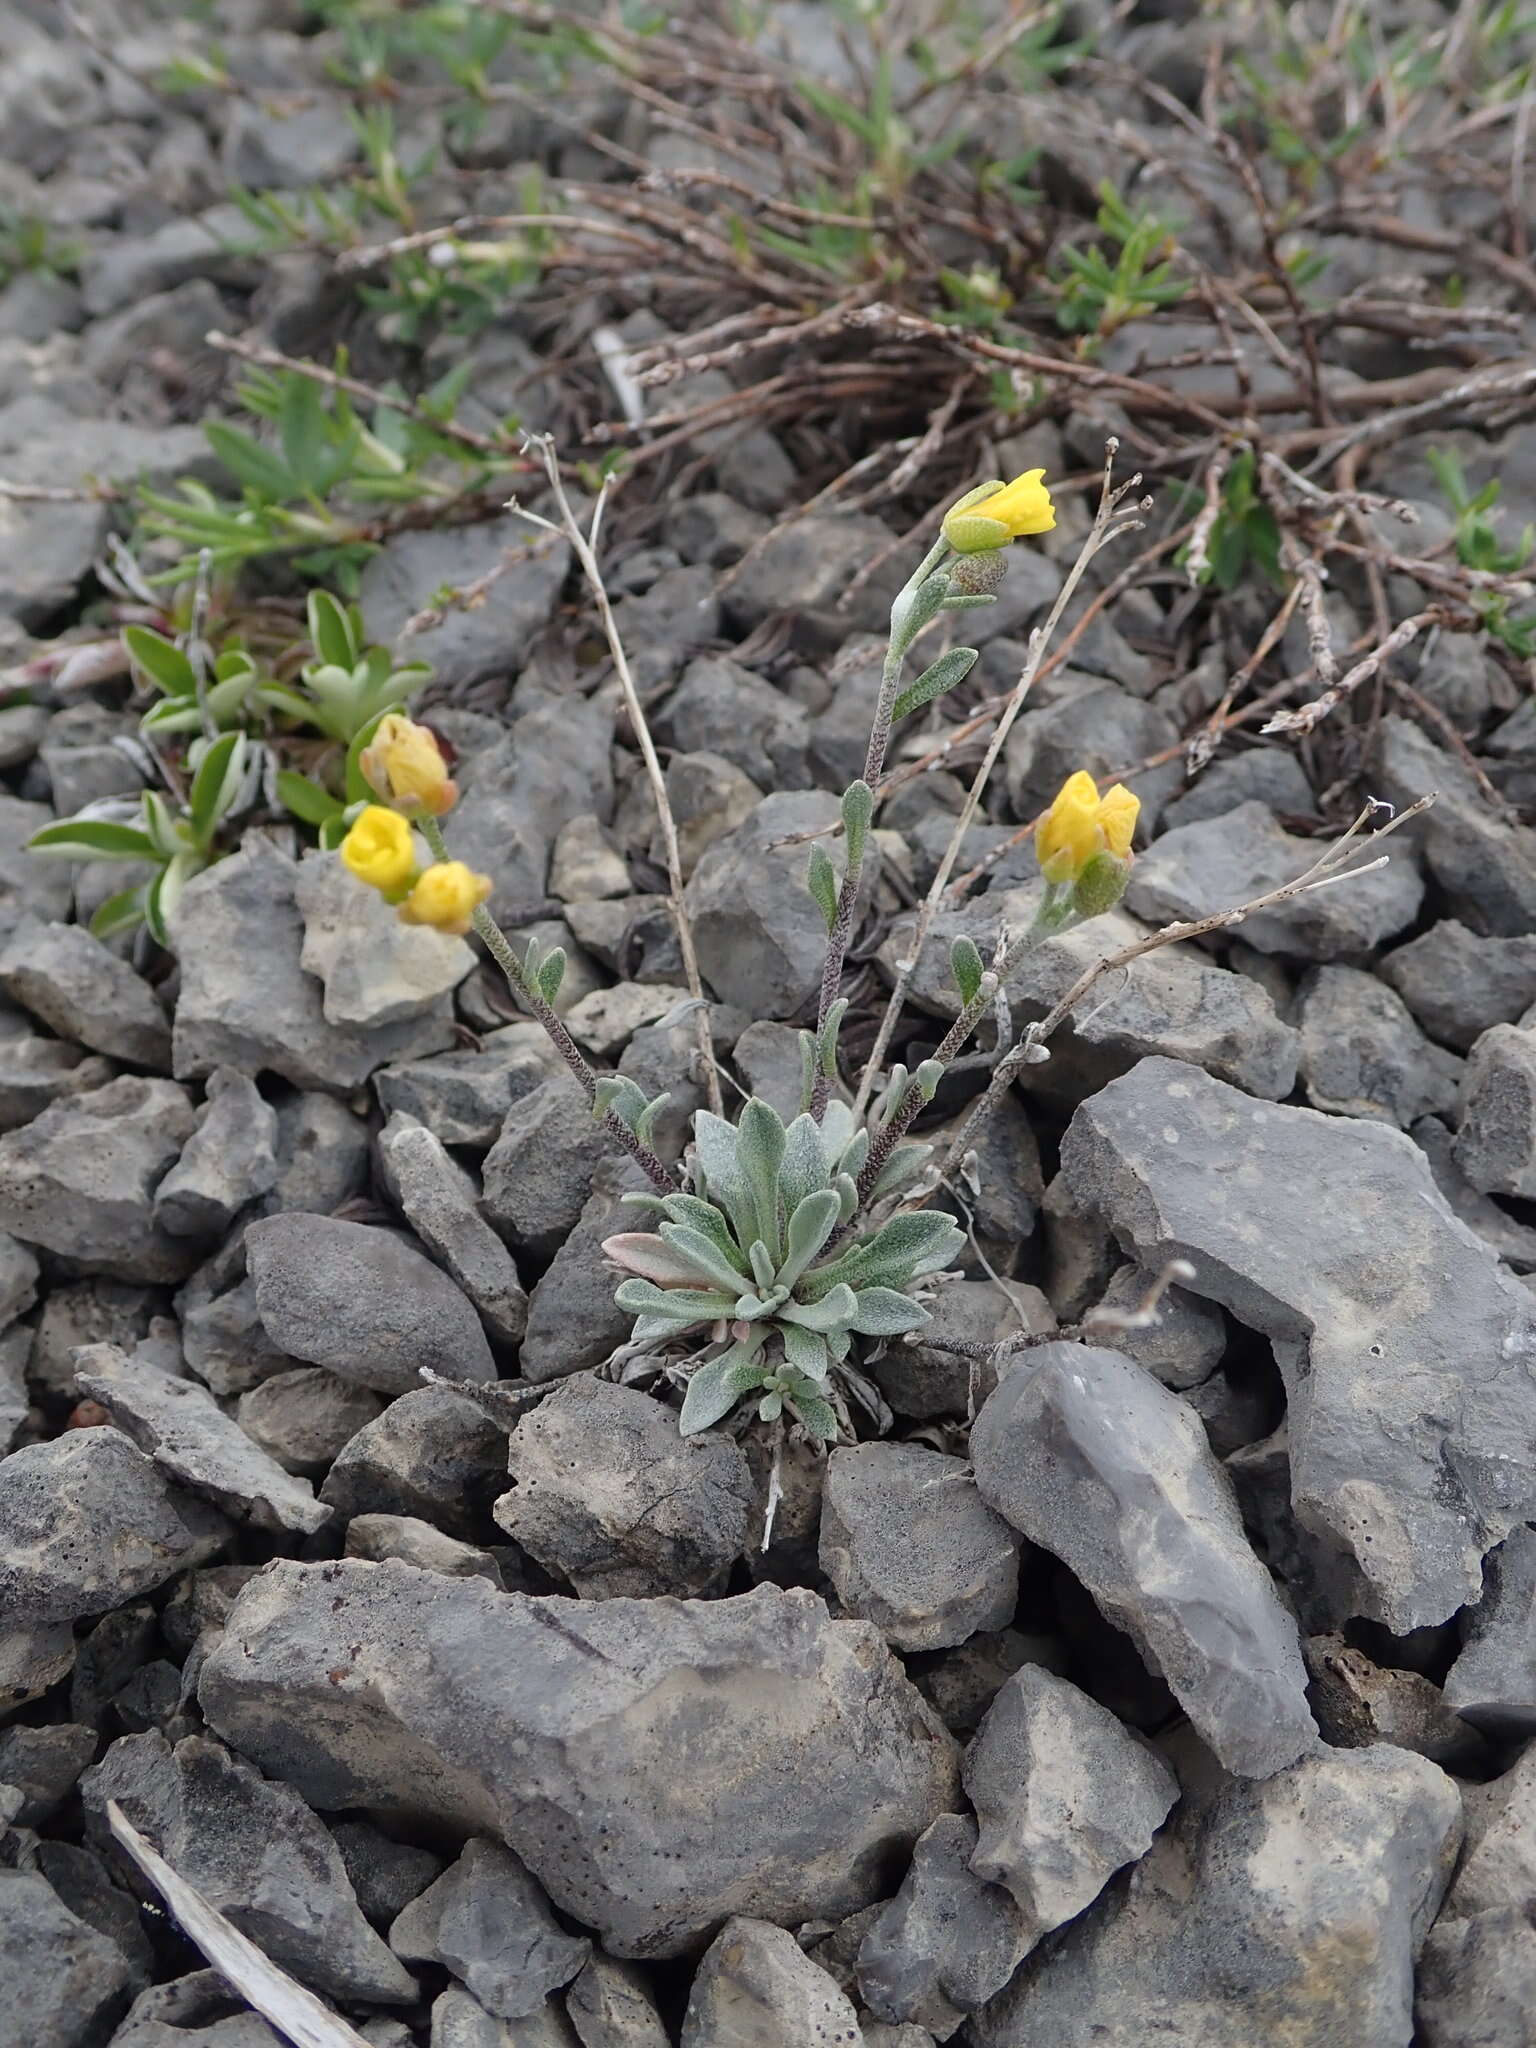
(28, 243)
(176, 834)
(300, 489)
(1246, 534)
(764, 1252)
(1481, 546)
(1102, 291)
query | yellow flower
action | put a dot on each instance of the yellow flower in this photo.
(975, 524)
(1081, 824)
(405, 766)
(380, 852)
(446, 896)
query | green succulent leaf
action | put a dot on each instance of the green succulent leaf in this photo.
(835, 1310)
(617, 1094)
(331, 631)
(760, 1137)
(804, 1168)
(703, 1256)
(704, 1217)
(167, 667)
(93, 839)
(550, 973)
(902, 1168)
(821, 880)
(216, 784)
(806, 1351)
(813, 1221)
(965, 966)
(883, 1312)
(682, 1306)
(306, 799)
(718, 1385)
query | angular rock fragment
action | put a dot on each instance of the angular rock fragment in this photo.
(539, 1172)
(65, 1983)
(1457, 982)
(81, 990)
(1485, 867)
(1284, 1911)
(553, 765)
(376, 969)
(1182, 1345)
(1358, 1703)
(431, 1454)
(1098, 1463)
(377, 1537)
(487, 1921)
(1477, 1981)
(196, 2011)
(1493, 1682)
(87, 1523)
(1405, 1347)
(909, 1544)
(574, 1322)
(362, 1302)
(79, 1179)
(178, 1423)
(255, 1851)
(459, 2021)
(1495, 1144)
(305, 1417)
(439, 1201)
(947, 1942)
(43, 1765)
(229, 1160)
(605, 1492)
(537, 1722)
(232, 1013)
(1064, 1797)
(463, 1097)
(610, 2006)
(1363, 1055)
(523, 578)
(756, 1986)
(1225, 861)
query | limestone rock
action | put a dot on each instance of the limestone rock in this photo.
(81, 990)
(536, 1721)
(376, 969)
(755, 1988)
(487, 1921)
(440, 1202)
(229, 1160)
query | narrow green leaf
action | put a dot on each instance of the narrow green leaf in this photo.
(249, 463)
(939, 676)
(92, 839)
(965, 965)
(617, 1095)
(811, 1224)
(835, 1310)
(858, 809)
(681, 1305)
(123, 912)
(330, 630)
(821, 880)
(551, 972)
(165, 664)
(760, 1141)
(826, 1045)
(216, 784)
(306, 799)
(704, 1255)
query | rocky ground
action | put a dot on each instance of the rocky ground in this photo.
(1160, 1681)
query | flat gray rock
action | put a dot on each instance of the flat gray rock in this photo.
(431, 1454)
(1244, 853)
(538, 1174)
(574, 1323)
(87, 1522)
(65, 1983)
(488, 1921)
(553, 765)
(80, 989)
(305, 1416)
(229, 1160)
(1288, 1911)
(1064, 1797)
(1485, 867)
(1094, 1460)
(30, 888)
(947, 1942)
(909, 1544)
(441, 1203)
(1363, 1055)
(1173, 1001)
(255, 1852)
(459, 2021)
(376, 969)
(756, 1988)
(463, 1096)
(245, 1000)
(472, 643)
(761, 940)
(178, 1423)
(610, 2005)
(1458, 982)
(1477, 1981)
(606, 1493)
(1407, 1351)
(586, 1736)
(79, 1180)
(362, 1302)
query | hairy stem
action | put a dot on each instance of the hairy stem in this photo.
(500, 949)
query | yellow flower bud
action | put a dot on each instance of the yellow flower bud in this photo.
(379, 851)
(1081, 824)
(405, 766)
(446, 896)
(1022, 507)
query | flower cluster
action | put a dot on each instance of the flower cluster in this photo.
(405, 767)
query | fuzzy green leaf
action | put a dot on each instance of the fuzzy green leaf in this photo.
(882, 1312)
(717, 1386)
(680, 1305)
(902, 1168)
(810, 1225)
(965, 965)
(826, 1043)
(821, 880)
(817, 1413)
(834, 1311)
(249, 463)
(760, 1139)
(550, 973)
(858, 809)
(950, 668)
(705, 1259)
(805, 1351)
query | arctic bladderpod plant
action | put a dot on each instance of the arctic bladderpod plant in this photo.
(765, 1257)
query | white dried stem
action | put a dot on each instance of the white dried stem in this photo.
(1197, 561)
(582, 545)
(1304, 719)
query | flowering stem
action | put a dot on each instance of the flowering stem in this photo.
(903, 633)
(500, 949)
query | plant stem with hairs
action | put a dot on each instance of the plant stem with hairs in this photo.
(527, 993)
